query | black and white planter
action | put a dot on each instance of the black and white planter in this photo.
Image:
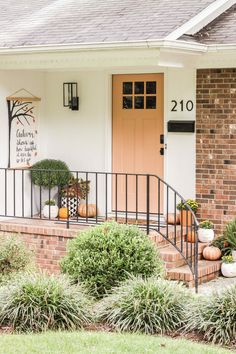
(206, 235)
(71, 203)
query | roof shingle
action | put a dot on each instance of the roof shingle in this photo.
(53, 22)
(220, 31)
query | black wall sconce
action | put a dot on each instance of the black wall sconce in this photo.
(70, 95)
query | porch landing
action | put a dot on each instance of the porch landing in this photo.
(48, 239)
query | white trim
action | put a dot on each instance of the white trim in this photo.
(202, 19)
(104, 46)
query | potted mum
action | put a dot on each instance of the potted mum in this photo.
(72, 193)
(185, 214)
(228, 267)
(205, 231)
(50, 209)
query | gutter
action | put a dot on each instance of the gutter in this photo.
(175, 45)
(147, 44)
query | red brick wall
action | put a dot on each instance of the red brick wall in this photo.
(216, 145)
(48, 248)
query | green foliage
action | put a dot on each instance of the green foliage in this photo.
(50, 173)
(103, 256)
(76, 187)
(206, 224)
(214, 317)
(145, 305)
(230, 233)
(222, 243)
(35, 302)
(14, 257)
(193, 205)
(50, 202)
(227, 259)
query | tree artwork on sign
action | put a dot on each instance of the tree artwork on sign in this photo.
(22, 131)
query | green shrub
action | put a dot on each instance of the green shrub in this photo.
(36, 302)
(149, 306)
(50, 173)
(230, 233)
(105, 255)
(14, 257)
(214, 317)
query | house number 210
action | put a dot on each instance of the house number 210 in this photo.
(182, 105)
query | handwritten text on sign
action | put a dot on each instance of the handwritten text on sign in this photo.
(23, 148)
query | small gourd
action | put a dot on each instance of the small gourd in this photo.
(212, 253)
(63, 213)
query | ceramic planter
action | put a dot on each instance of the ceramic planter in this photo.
(72, 203)
(50, 211)
(206, 235)
(228, 270)
(186, 218)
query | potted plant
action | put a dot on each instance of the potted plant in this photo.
(205, 231)
(50, 209)
(228, 267)
(72, 193)
(49, 175)
(185, 215)
(230, 234)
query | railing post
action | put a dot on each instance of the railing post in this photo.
(196, 258)
(148, 204)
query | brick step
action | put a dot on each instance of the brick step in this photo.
(173, 258)
(207, 270)
(160, 241)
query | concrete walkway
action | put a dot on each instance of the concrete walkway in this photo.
(219, 284)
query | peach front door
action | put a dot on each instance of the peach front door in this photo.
(137, 129)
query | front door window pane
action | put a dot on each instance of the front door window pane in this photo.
(151, 87)
(139, 88)
(127, 88)
(139, 102)
(127, 102)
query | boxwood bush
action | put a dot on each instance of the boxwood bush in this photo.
(37, 302)
(145, 305)
(14, 257)
(214, 317)
(50, 173)
(103, 256)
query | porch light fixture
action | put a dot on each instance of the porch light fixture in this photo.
(70, 95)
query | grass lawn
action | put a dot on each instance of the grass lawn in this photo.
(100, 343)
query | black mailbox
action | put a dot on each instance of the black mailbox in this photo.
(181, 126)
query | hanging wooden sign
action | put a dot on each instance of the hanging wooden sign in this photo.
(23, 129)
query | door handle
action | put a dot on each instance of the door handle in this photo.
(162, 151)
(162, 140)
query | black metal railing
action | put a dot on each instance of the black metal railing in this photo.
(141, 199)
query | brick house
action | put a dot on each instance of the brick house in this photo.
(156, 82)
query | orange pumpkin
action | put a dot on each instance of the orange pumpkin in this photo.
(212, 253)
(172, 219)
(87, 210)
(63, 213)
(191, 236)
